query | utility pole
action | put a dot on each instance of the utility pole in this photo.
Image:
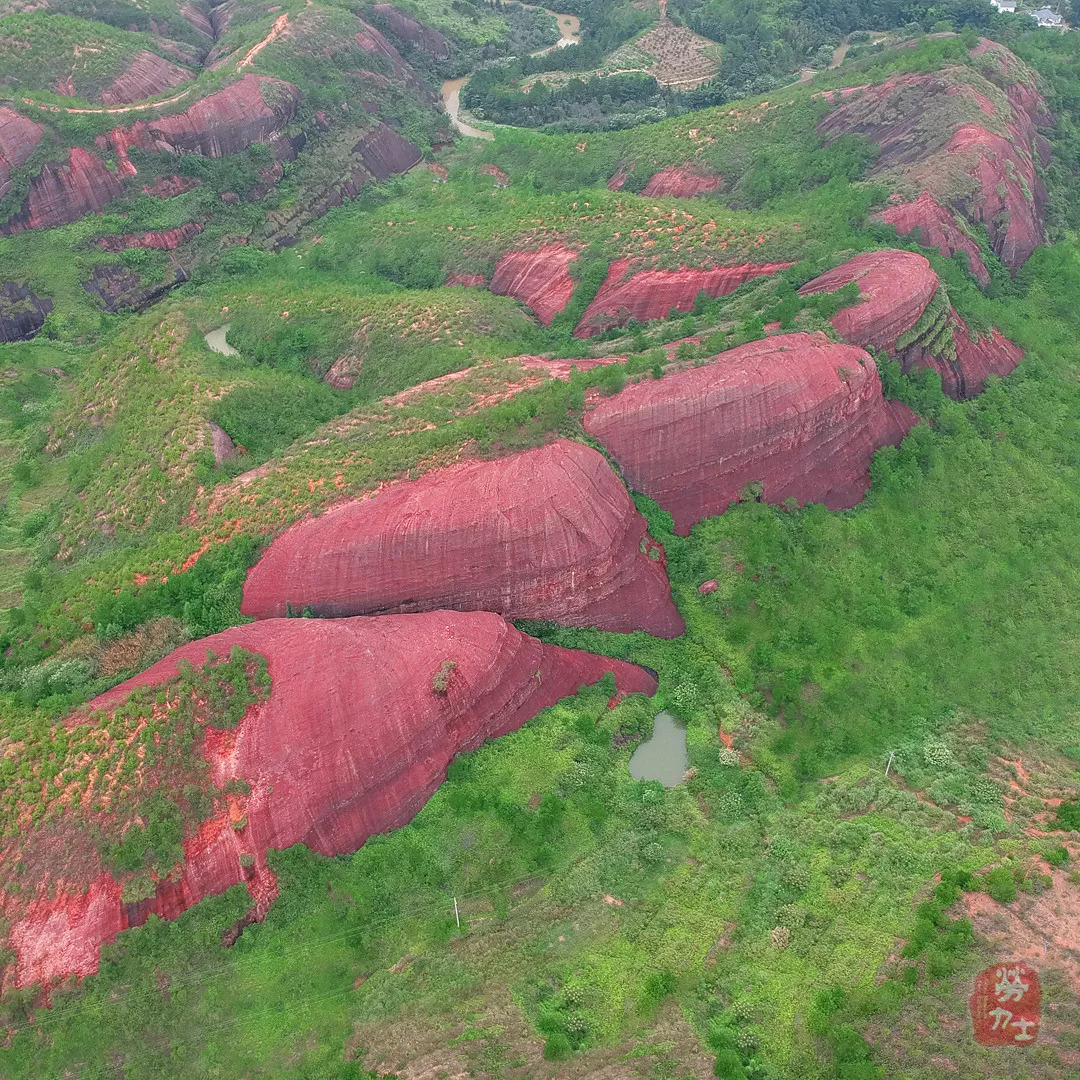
(457, 915)
(888, 765)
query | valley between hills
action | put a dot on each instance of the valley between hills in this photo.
(538, 544)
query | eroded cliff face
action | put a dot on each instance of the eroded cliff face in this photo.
(19, 138)
(539, 279)
(162, 240)
(63, 192)
(939, 133)
(550, 533)
(363, 717)
(651, 294)
(408, 29)
(904, 310)
(935, 226)
(22, 311)
(795, 413)
(147, 76)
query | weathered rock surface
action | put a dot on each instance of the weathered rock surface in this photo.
(935, 226)
(903, 310)
(363, 718)
(940, 134)
(164, 240)
(19, 138)
(467, 280)
(539, 279)
(221, 443)
(408, 29)
(168, 187)
(680, 182)
(795, 413)
(651, 294)
(147, 76)
(62, 193)
(550, 533)
(22, 312)
(117, 288)
(254, 109)
(894, 289)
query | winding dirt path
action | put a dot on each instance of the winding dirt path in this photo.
(279, 25)
(114, 109)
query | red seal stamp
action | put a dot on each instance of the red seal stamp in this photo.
(1005, 1005)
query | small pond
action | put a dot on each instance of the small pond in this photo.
(662, 757)
(216, 340)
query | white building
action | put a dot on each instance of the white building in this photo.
(1007, 6)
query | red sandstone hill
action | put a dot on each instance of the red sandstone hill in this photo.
(364, 716)
(651, 294)
(940, 134)
(795, 413)
(903, 310)
(539, 279)
(681, 183)
(937, 227)
(19, 138)
(546, 534)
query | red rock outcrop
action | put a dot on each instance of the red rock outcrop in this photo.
(385, 153)
(904, 311)
(168, 187)
(147, 76)
(651, 294)
(539, 279)
(254, 109)
(894, 289)
(364, 716)
(166, 240)
(408, 29)
(22, 312)
(680, 182)
(936, 227)
(63, 193)
(546, 534)
(795, 413)
(941, 134)
(19, 138)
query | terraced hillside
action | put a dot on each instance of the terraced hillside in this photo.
(587, 605)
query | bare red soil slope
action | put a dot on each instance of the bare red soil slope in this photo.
(363, 717)
(796, 413)
(550, 533)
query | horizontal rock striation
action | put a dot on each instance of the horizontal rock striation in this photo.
(550, 533)
(680, 182)
(254, 109)
(904, 310)
(117, 288)
(936, 227)
(539, 279)
(19, 138)
(651, 294)
(148, 75)
(164, 240)
(363, 718)
(168, 187)
(796, 414)
(22, 312)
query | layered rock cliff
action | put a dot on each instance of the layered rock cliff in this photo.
(935, 226)
(651, 294)
(904, 310)
(363, 717)
(147, 76)
(22, 312)
(796, 414)
(539, 279)
(19, 138)
(940, 133)
(546, 534)
(62, 193)
(405, 28)
(161, 240)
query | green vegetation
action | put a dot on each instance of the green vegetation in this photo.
(880, 704)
